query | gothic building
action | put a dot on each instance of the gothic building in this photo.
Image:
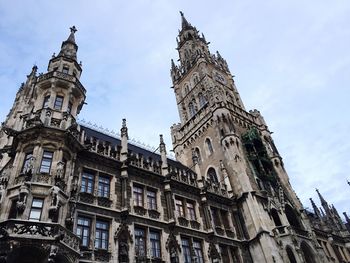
(71, 193)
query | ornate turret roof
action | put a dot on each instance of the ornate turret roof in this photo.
(184, 23)
(69, 48)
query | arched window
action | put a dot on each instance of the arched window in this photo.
(307, 252)
(209, 146)
(290, 255)
(292, 217)
(198, 154)
(211, 175)
(275, 217)
(185, 90)
(277, 220)
(202, 100)
(195, 79)
(192, 109)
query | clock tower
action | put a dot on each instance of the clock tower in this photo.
(230, 148)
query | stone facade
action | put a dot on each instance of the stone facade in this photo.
(70, 193)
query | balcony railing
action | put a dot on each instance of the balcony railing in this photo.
(64, 76)
(36, 230)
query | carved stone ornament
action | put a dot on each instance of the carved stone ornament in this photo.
(23, 196)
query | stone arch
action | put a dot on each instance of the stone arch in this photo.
(309, 255)
(202, 100)
(212, 175)
(123, 238)
(173, 247)
(275, 217)
(195, 78)
(198, 154)
(185, 89)
(292, 217)
(192, 109)
(209, 146)
(290, 255)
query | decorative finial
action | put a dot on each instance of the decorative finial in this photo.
(181, 13)
(161, 138)
(53, 55)
(124, 123)
(73, 29)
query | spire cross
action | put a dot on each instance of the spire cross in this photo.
(73, 29)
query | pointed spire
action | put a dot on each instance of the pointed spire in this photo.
(323, 201)
(316, 210)
(335, 211)
(173, 67)
(184, 22)
(346, 217)
(69, 48)
(162, 150)
(124, 141)
(71, 37)
(203, 37)
(324, 204)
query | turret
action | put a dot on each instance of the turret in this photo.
(66, 60)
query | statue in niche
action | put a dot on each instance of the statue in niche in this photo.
(23, 196)
(54, 196)
(173, 255)
(28, 168)
(60, 170)
(123, 251)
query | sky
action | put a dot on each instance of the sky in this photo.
(291, 61)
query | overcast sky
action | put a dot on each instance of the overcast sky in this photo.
(291, 60)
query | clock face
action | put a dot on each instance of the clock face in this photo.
(220, 78)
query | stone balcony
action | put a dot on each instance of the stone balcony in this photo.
(62, 76)
(17, 233)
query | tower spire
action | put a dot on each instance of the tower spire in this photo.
(324, 204)
(184, 23)
(69, 47)
(316, 210)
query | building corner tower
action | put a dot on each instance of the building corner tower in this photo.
(39, 141)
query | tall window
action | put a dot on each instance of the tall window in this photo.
(36, 209)
(197, 247)
(138, 195)
(46, 162)
(140, 242)
(69, 109)
(202, 100)
(46, 102)
(58, 103)
(198, 154)
(154, 238)
(186, 250)
(179, 208)
(27, 161)
(13, 209)
(224, 253)
(225, 220)
(83, 230)
(151, 199)
(190, 211)
(101, 235)
(87, 183)
(103, 186)
(211, 175)
(191, 109)
(215, 216)
(209, 146)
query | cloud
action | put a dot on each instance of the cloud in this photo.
(290, 59)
